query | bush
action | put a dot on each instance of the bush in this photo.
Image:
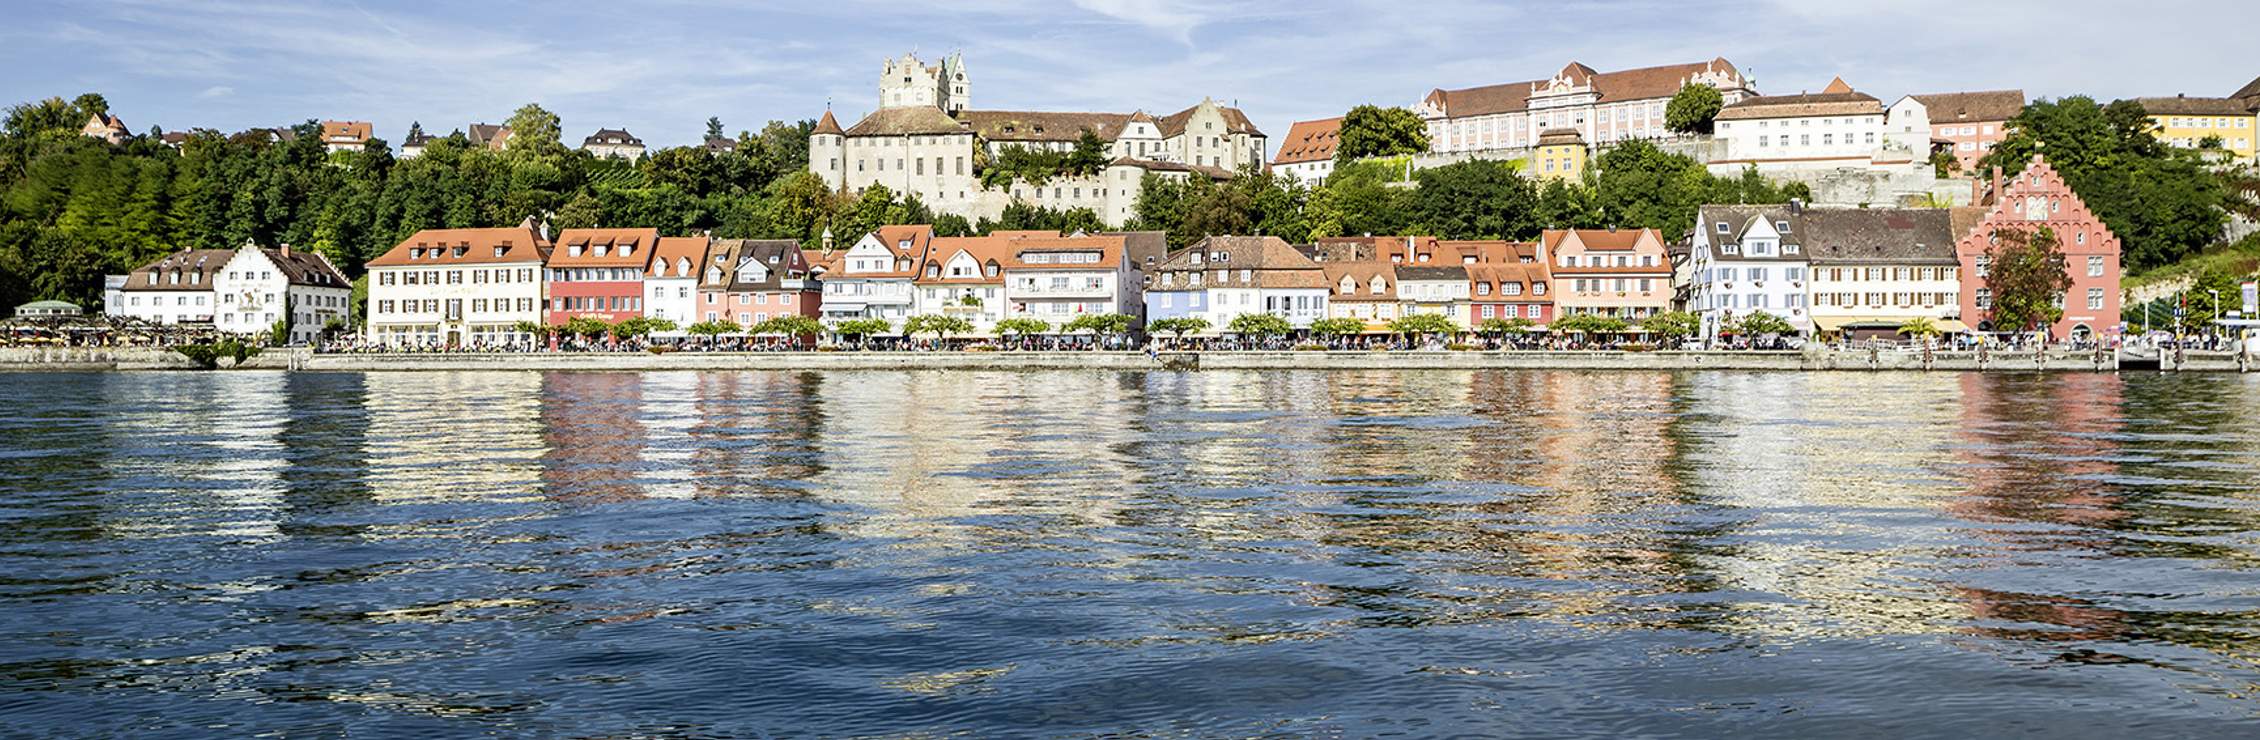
(207, 356)
(1310, 348)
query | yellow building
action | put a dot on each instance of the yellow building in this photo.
(2188, 122)
(1560, 153)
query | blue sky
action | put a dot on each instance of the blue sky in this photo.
(660, 68)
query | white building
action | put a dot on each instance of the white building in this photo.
(872, 278)
(261, 285)
(1435, 289)
(1835, 128)
(923, 140)
(1056, 278)
(670, 281)
(177, 289)
(1603, 107)
(346, 136)
(457, 287)
(1223, 277)
(1749, 259)
(1307, 154)
(612, 143)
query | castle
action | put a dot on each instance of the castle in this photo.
(925, 139)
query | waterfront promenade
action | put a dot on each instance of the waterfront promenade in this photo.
(1816, 359)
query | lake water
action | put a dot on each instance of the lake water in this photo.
(1208, 554)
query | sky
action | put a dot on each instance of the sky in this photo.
(659, 69)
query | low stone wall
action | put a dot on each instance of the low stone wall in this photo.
(92, 358)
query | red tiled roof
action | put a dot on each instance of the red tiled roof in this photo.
(439, 247)
(580, 247)
(1309, 141)
(666, 259)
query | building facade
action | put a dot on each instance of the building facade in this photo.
(1875, 269)
(2194, 122)
(1837, 127)
(936, 151)
(1440, 289)
(1745, 259)
(1508, 291)
(670, 282)
(597, 273)
(1602, 107)
(1968, 124)
(346, 136)
(1307, 152)
(1560, 155)
(612, 143)
(2033, 199)
(179, 288)
(963, 276)
(1056, 279)
(261, 285)
(872, 279)
(458, 288)
(749, 281)
(1222, 277)
(1606, 272)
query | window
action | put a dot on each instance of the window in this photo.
(1724, 228)
(2094, 299)
(2095, 267)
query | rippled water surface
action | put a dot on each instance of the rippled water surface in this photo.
(1076, 553)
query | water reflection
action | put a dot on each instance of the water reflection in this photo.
(1139, 553)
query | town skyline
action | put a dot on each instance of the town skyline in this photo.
(231, 65)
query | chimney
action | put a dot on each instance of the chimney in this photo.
(1796, 206)
(1410, 257)
(1996, 194)
(286, 250)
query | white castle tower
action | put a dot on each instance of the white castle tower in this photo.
(907, 83)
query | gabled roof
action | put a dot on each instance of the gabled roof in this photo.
(444, 247)
(1599, 240)
(1109, 247)
(1016, 125)
(2187, 106)
(1235, 122)
(489, 135)
(1270, 262)
(1432, 272)
(1144, 249)
(1984, 105)
(985, 251)
(1502, 273)
(1844, 102)
(666, 259)
(346, 131)
(1644, 83)
(1877, 236)
(1309, 141)
(611, 136)
(587, 242)
(2250, 91)
(1362, 272)
(907, 121)
(781, 260)
(1739, 219)
(828, 124)
(302, 267)
(204, 263)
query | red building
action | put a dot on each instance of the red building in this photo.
(2028, 201)
(597, 273)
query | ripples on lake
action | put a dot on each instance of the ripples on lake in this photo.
(1216, 553)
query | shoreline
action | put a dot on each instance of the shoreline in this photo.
(1813, 360)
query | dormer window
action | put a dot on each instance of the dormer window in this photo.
(601, 249)
(1729, 248)
(460, 251)
(628, 250)
(992, 270)
(713, 274)
(499, 250)
(1349, 287)
(1379, 285)
(574, 250)
(683, 267)
(415, 253)
(933, 271)
(1788, 249)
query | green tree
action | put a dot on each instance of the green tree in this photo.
(1673, 326)
(1476, 199)
(1503, 327)
(939, 325)
(1178, 326)
(1337, 328)
(712, 329)
(1022, 327)
(1919, 327)
(1259, 325)
(1423, 325)
(534, 132)
(2164, 203)
(863, 329)
(713, 127)
(2027, 279)
(1375, 131)
(1693, 108)
(791, 326)
(1101, 324)
(1586, 323)
(1760, 323)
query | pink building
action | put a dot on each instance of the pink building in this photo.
(750, 281)
(597, 273)
(2028, 201)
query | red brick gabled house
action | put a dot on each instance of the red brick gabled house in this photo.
(2032, 199)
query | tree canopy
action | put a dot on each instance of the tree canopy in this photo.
(1693, 108)
(2026, 279)
(1375, 131)
(2164, 202)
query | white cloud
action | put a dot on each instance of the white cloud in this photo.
(216, 91)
